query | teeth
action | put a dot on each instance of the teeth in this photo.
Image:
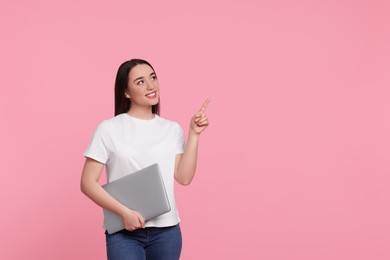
(151, 94)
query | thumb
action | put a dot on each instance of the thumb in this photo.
(141, 220)
(199, 114)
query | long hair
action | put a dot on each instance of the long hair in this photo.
(123, 104)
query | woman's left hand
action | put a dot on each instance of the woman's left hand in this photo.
(199, 121)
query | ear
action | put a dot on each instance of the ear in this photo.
(127, 95)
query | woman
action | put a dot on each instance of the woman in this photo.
(136, 138)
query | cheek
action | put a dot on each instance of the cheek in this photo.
(134, 92)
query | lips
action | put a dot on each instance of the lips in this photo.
(151, 95)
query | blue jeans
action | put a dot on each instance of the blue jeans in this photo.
(148, 243)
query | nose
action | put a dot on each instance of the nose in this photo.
(150, 85)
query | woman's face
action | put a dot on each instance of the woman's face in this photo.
(142, 88)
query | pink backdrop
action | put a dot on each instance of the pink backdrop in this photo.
(295, 163)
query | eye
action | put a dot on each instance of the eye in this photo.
(140, 82)
(154, 77)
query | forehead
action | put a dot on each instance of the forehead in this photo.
(140, 70)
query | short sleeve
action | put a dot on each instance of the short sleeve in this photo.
(180, 142)
(97, 148)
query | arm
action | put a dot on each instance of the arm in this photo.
(90, 187)
(185, 164)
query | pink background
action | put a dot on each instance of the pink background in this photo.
(295, 163)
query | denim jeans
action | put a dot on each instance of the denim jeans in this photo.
(148, 243)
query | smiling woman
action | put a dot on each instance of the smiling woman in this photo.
(134, 78)
(142, 90)
(135, 138)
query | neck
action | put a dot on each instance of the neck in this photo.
(141, 112)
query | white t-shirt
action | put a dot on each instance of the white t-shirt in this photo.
(126, 144)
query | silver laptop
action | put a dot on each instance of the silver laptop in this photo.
(142, 191)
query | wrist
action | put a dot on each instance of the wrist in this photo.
(193, 135)
(123, 212)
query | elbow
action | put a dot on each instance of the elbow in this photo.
(184, 182)
(83, 187)
(184, 177)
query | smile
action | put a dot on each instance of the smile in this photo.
(151, 95)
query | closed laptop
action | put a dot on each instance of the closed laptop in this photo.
(142, 191)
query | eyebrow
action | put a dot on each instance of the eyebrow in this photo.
(151, 74)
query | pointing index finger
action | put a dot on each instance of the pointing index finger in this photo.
(203, 108)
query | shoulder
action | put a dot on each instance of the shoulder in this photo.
(167, 122)
(109, 124)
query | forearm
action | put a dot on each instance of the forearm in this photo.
(187, 166)
(91, 188)
(98, 195)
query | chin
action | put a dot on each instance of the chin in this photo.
(155, 102)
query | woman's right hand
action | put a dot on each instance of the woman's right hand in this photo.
(132, 220)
